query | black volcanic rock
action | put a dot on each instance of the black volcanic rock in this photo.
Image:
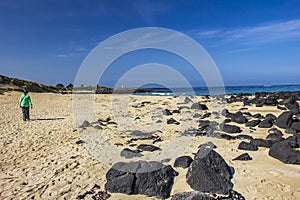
(266, 123)
(247, 146)
(148, 147)
(283, 152)
(167, 112)
(192, 196)
(274, 137)
(244, 156)
(209, 173)
(172, 121)
(128, 153)
(226, 113)
(230, 128)
(148, 178)
(199, 106)
(183, 161)
(275, 131)
(239, 118)
(285, 119)
(262, 142)
(253, 123)
(296, 126)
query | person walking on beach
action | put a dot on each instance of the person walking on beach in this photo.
(25, 103)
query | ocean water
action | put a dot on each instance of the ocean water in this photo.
(199, 91)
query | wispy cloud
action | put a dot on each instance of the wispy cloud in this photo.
(255, 35)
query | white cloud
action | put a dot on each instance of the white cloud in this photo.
(261, 34)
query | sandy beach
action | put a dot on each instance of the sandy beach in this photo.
(50, 157)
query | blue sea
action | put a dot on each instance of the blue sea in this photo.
(200, 91)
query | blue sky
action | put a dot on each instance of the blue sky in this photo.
(252, 42)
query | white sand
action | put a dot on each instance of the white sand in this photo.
(40, 158)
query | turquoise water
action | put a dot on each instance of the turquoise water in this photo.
(219, 90)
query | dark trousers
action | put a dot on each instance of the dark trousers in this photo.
(25, 111)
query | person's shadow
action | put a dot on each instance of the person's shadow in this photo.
(42, 119)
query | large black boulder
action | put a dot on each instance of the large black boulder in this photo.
(209, 172)
(285, 119)
(247, 146)
(148, 178)
(183, 161)
(239, 118)
(283, 152)
(230, 128)
(292, 104)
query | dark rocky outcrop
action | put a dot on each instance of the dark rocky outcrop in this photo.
(244, 156)
(148, 178)
(209, 173)
(285, 153)
(285, 119)
(247, 146)
(183, 161)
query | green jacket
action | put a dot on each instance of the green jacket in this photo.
(25, 101)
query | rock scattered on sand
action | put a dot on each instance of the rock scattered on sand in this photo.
(148, 147)
(266, 123)
(244, 156)
(85, 124)
(285, 153)
(230, 128)
(285, 119)
(148, 178)
(253, 123)
(172, 121)
(239, 118)
(209, 173)
(192, 195)
(167, 112)
(247, 146)
(183, 161)
(128, 153)
(199, 106)
(208, 145)
(262, 142)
